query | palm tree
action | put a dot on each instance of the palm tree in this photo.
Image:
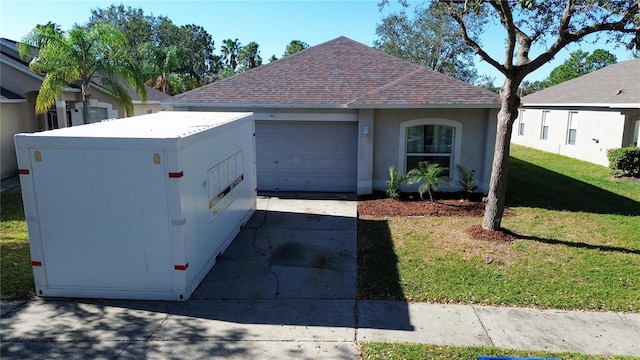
(160, 65)
(82, 56)
(249, 56)
(431, 175)
(230, 51)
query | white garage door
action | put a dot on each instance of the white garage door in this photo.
(306, 156)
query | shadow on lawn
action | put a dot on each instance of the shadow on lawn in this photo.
(536, 187)
(579, 245)
(378, 276)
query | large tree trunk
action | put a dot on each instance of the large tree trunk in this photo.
(498, 185)
(86, 105)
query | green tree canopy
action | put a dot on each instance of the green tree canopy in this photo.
(192, 65)
(429, 38)
(580, 63)
(249, 56)
(295, 46)
(82, 56)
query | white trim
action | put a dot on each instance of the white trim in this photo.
(426, 106)
(278, 116)
(13, 101)
(544, 122)
(572, 124)
(457, 143)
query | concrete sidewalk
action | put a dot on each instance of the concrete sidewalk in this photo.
(286, 288)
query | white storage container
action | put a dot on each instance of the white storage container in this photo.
(136, 208)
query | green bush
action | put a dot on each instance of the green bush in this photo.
(625, 160)
(467, 180)
(394, 184)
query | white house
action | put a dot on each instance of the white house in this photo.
(334, 117)
(584, 117)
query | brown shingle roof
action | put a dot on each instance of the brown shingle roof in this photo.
(617, 84)
(339, 73)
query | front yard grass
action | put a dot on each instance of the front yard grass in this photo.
(379, 351)
(16, 276)
(578, 246)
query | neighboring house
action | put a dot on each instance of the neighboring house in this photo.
(20, 87)
(584, 117)
(334, 117)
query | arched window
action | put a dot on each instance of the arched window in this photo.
(433, 140)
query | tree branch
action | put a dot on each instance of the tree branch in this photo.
(566, 38)
(483, 54)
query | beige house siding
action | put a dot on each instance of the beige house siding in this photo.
(140, 108)
(14, 118)
(477, 128)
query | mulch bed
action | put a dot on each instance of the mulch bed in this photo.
(379, 205)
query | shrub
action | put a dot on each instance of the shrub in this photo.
(625, 160)
(467, 181)
(430, 175)
(394, 184)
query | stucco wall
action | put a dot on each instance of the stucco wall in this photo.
(476, 148)
(147, 108)
(596, 132)
(20, 82)
(14, 118)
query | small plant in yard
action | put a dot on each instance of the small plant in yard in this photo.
(395, 182)
(467, 181)
(430, 175)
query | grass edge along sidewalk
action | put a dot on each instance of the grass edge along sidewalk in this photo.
(379, 351)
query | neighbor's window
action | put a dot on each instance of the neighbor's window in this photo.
(432, 143)
(98, 114)
(573, 128)
(636, 133)
(544, 132)
(521, 123)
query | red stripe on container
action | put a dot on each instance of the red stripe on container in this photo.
(176, 175)
(23, 171)
(36, 263)
(181, 267)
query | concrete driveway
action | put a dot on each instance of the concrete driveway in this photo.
(285, 288)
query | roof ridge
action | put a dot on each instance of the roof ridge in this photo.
(388, 85)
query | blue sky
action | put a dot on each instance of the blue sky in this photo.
(272, 24)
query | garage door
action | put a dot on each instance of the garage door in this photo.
(306, 156)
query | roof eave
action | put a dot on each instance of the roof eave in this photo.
(583, 105)
(32, 74)
(425, 106)
(255, 106)
(331, 106)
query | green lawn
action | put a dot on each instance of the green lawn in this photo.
(379, 351)
(16, 276)
(578, 245)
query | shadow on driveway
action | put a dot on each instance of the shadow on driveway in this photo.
(290, 275)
